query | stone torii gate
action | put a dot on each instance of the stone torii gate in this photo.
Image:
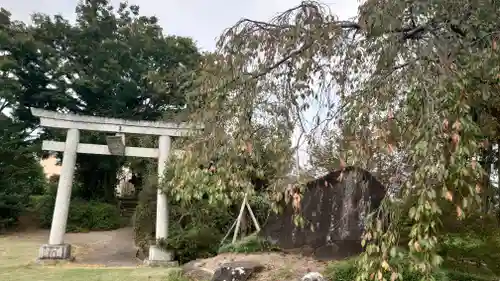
(56, 248)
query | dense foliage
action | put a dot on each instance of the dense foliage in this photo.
(346, 271)
(20, 172)
(472, 245)
(469, 250)
(83, 215)
(249, 244)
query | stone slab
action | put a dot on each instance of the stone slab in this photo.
(55, 252)
(54, 262)
(156, 263)
(160, 258)
(158, 254)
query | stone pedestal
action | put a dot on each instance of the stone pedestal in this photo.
(55, 252)
(159, 257)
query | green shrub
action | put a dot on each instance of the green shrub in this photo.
(36, 202)
(462, 276)
(250, 244)
(194, 241)
(196, 230)
(346, 270)
(176, 274)
(83, 215)
(261, 207)
(469, 247)
(144, 216)
(472, 245)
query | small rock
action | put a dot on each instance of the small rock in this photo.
(312, 276)
(196, 271)
(236, 271)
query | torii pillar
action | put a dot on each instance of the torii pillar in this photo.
(57, 249)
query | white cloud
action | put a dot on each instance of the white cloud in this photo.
(200, 19)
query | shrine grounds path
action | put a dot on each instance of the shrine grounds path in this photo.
(103, 256)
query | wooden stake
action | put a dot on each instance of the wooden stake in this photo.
(254, 219)
(228, 232)
(238, 220)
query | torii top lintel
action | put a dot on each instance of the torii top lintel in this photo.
(54, 119)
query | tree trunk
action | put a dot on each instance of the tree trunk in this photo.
(488, 193)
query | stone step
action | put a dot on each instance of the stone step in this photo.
(128, 203)
(127, 206)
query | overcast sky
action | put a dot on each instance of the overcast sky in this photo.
(203, 20)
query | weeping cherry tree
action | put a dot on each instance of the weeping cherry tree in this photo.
(408, 84)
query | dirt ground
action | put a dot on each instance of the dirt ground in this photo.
(97, 248)
(277, 266)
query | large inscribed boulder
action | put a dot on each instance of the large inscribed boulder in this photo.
(333, 207)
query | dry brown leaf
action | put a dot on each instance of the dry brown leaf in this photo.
(342, 164)
(455, 138)
(296, 201)
(445, 124)
(249, 147)
(416, 245)
(449, 196)
(459, 212)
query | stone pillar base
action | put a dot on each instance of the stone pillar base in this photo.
(152, 263)
(159, 258)
(55, 252)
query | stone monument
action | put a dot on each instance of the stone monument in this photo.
(334, 207)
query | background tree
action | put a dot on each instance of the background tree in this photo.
(21, 173)
(112, 63)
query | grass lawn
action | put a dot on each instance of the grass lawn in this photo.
(17, 263)
(39, 273)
